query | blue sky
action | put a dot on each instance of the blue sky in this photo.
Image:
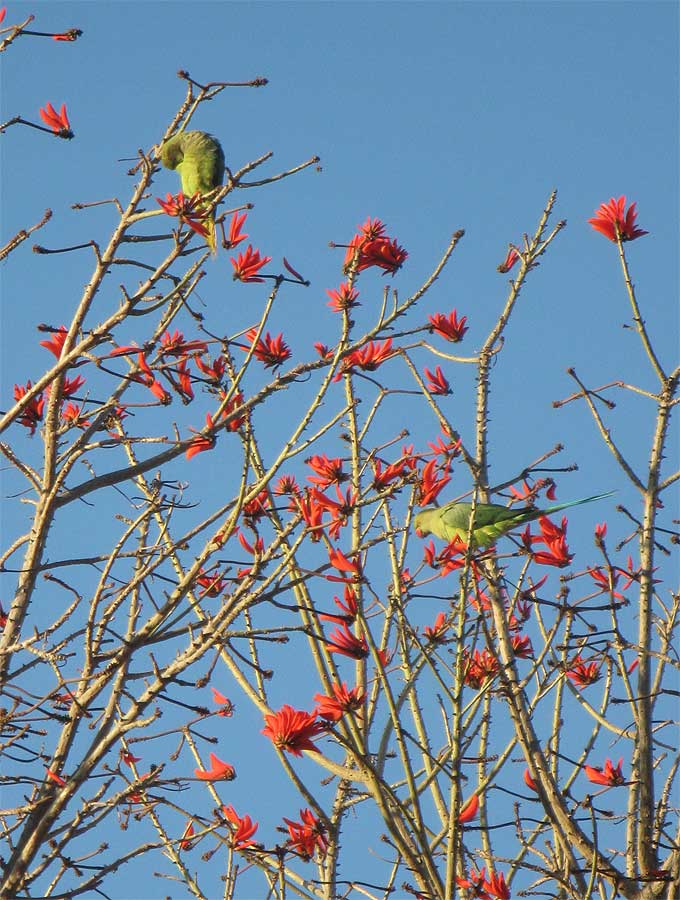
(431, 116)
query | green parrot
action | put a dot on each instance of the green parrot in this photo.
(491, 520)
(199, 159)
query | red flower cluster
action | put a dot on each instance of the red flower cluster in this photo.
(479, 668)
(328, 471)
(333, 707)
(436, 634)
(273, 352)
(371, 247)
(307, 836)
(614, 222)
(293, 729)
(32, 413)
(582, 673)
(345, 297)
(610, 776)
(508, 262)
(367, 358)
(243, 828)
(436, 382)
(450, 327)
(492, 888)
(431, 482)
(248, 264)
(218, 771)
(57, 121)
(555, 538)
(186, 209)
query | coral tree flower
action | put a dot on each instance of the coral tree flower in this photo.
(492, 888)
(436, 382)
(248, 264)
(582, 673)
(345, 297)
(293, 729)
(225, 704)
(218, 771)
(307, 836)
(614, 221)
(243, 830)
(187, 209)
(342, 700)
(610, 776)
(436, 634)
(235, 236)
(57, 121)
(508, 262)
(450, 327)
(32, 413)
(56, 343)
(272, 352)
(469, 810)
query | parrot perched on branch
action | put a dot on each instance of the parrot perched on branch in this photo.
(491, 520)
(199, 159)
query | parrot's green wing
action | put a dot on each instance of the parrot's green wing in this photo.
(491, 520)
(199, 159)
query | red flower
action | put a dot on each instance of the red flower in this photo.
(248, 264)
(372, 229)
(529, 781)
(213, 584)
(175, 345)
(509, 261)
(345, 297)
(614, 222)
(606, 581)
(307, 836)
(437, 383)
(521, 646)
(214, 370)
(610, 776)
(340, 562)
(73, 415)
(329, 470)
(52, 776)
(293, 729)
(469, 810)
(382, 478)
(449, 559)
(582, 673)
(339, 511)
(187, 209)
(146, 377)
(323, 351)
(479, 668)
(201, 442)
(3, 13)
(333, 707)
(235, 236)
(128, 758)
(600, 531)
(555, 537)
(218, 770)
(185, 842)
(57, 121)
(347, 644)
(367, 358)
(71, 35)
(70, 386)
(430, 485)
(450, 327)
(348, 609)
(311, 512)
(56, 342)
(234, 422)
(244, 829)
(227, 707)
(436, 634)
(492, 888)
(383, 253)
(270, 351)
(32, 413)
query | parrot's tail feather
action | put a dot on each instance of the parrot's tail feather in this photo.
(560, 506)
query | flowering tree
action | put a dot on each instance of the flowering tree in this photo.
(299, 588)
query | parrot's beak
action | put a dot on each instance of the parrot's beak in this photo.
(419, 533)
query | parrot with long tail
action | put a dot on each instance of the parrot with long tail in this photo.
(199, 159)
(491, 520)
